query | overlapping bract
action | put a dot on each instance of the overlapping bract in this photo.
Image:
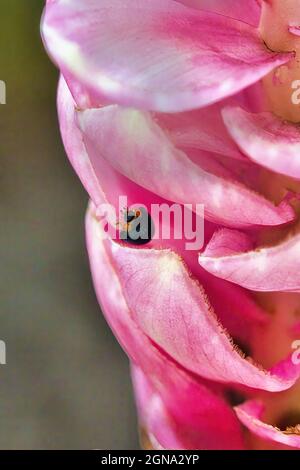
(126, 65)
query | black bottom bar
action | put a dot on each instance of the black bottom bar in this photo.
(133, 459)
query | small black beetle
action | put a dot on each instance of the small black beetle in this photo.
(139, 227)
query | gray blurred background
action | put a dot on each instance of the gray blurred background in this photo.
(66, 383)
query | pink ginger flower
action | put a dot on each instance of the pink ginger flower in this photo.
(193, 102)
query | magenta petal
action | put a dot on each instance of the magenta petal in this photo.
(267, 269)
(238, 313)
(250, 415)
(202, 129)
(172, 309)
(266, 139)
(235, 307)
(74, 145)
(226, 298)
(134, 144)
(154, 418)
(200, 425)
(295, 30)
(100, 180)
(187, 398)
(245, 10)
(227, 242)
(157, 55)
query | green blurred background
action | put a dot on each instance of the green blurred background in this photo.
(66, 383)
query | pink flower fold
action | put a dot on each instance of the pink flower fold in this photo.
(164, 102)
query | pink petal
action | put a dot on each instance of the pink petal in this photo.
(250, 415)
(74, 145)
(295, 30)
(266, 139)
(245, 10)
(238, 313)
(201, 129)
(172, 309)
(204, 429)
(235, 308)
(158, 55)
(227, 299)
(102, 182)
(134, 144)
(228, 242)
(267, 269)
(153, 415)
(187, 397)
(295, 330)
